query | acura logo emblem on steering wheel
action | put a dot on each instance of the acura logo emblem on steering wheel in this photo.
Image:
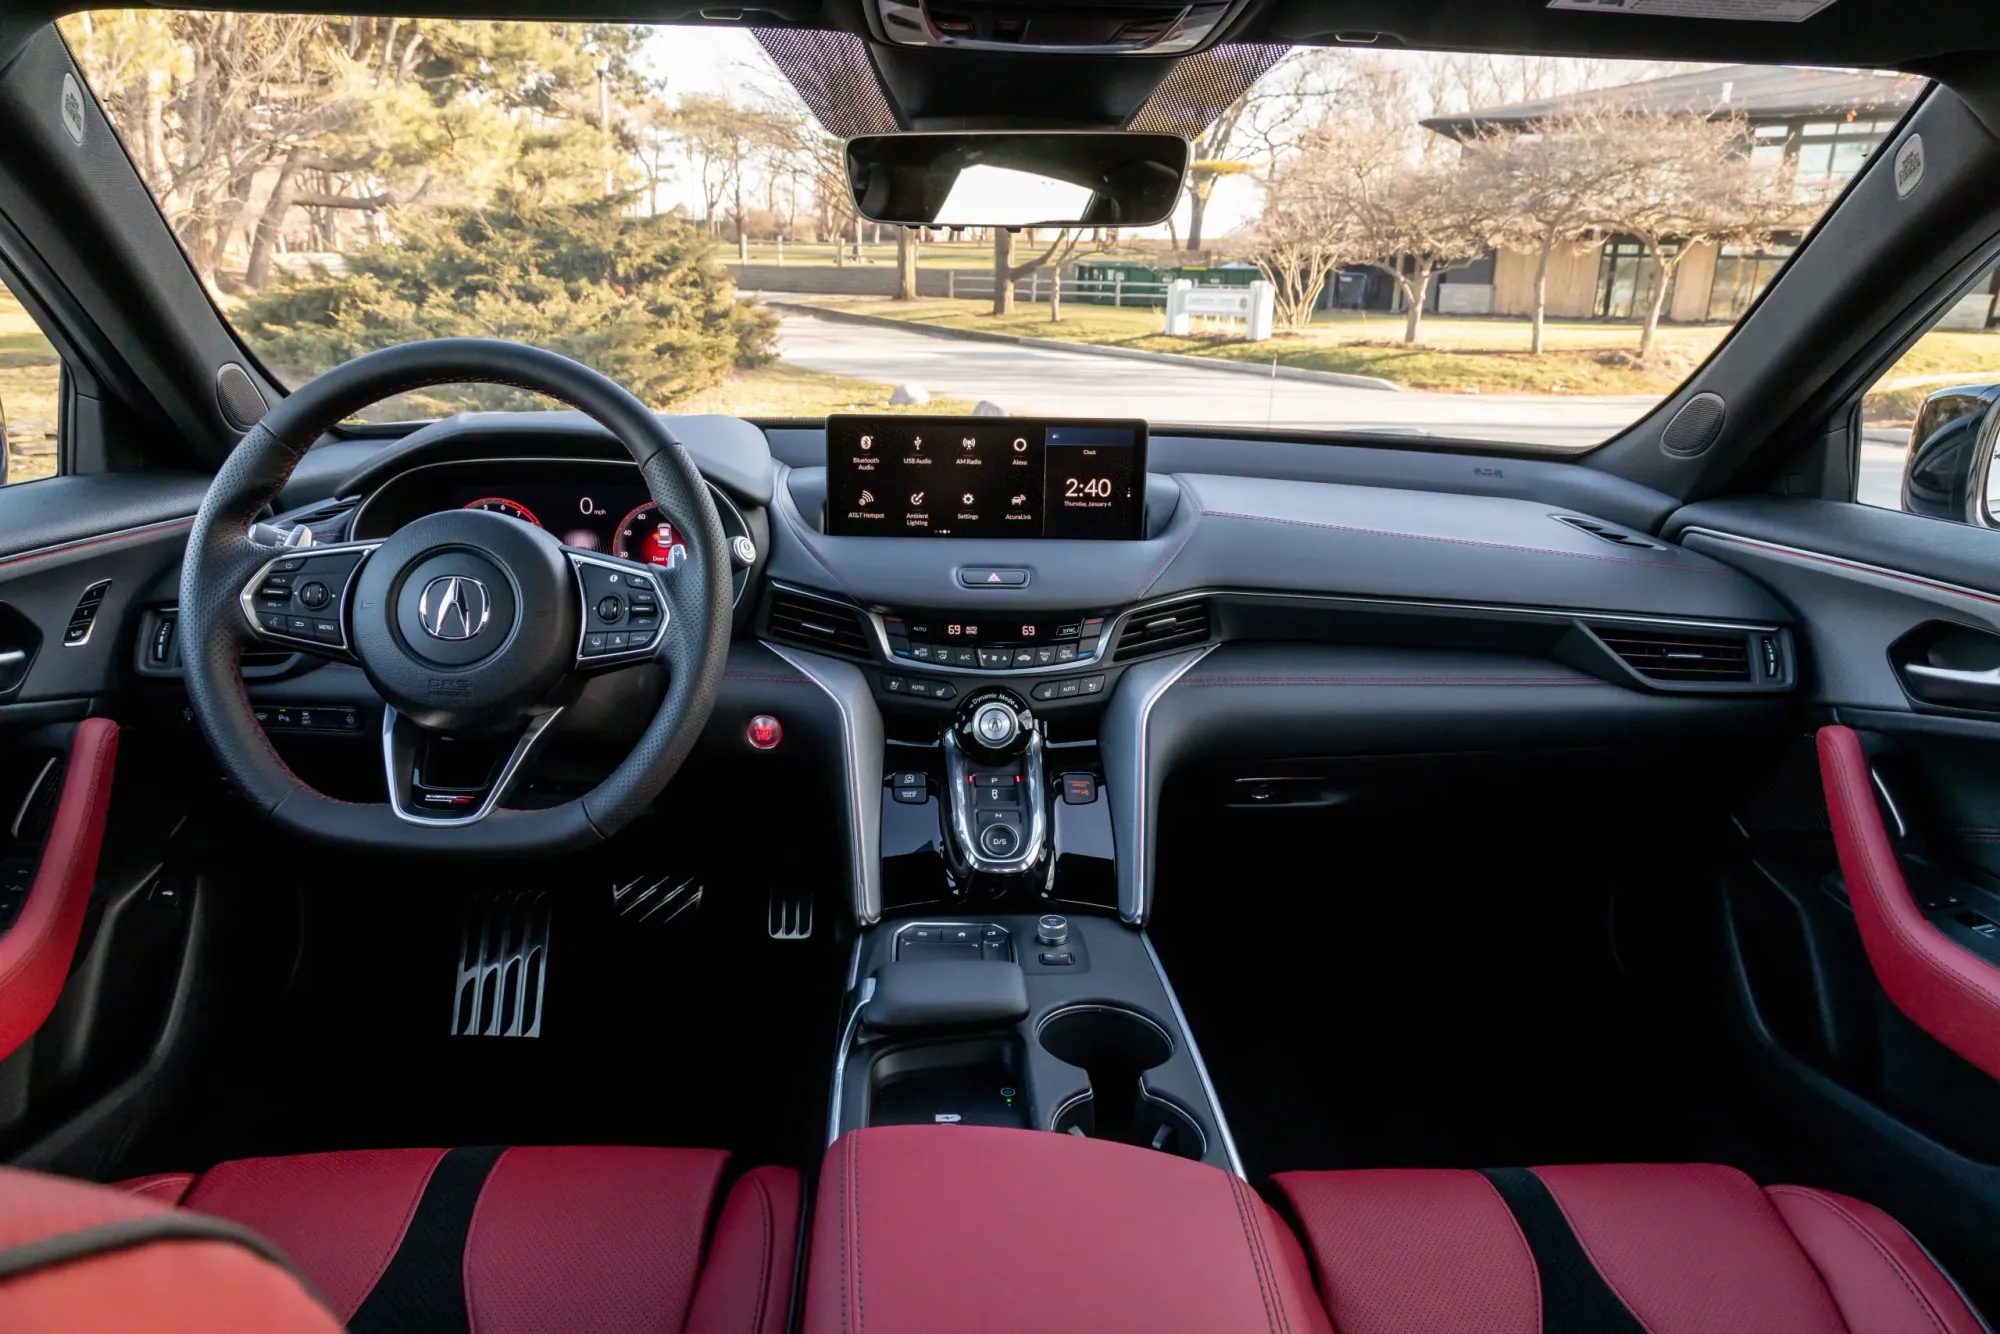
(453, 607)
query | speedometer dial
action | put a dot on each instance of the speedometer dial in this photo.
(647, 535)
(513, 509)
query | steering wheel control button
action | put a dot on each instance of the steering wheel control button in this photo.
(982, 576)
(1052, 929)
(610, 608)
(999, 840)
(297, 598)
(764, 732)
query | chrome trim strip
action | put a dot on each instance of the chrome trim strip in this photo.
(249, 590)
(957, 769)
(1902, 829)
(1194, 1054)
(28, 799)
(715, 493)
(840, 1053)
(864, 781)
(510, 772)
(1844, 562)
(1122, 736)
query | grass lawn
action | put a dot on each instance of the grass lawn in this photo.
(30, 378)
(789, 391)
(1938, 359)
(1456, 355)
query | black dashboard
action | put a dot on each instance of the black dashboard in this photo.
(1273, 607)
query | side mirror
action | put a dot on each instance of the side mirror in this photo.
(1951, 454)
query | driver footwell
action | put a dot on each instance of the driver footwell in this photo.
(525, 1005)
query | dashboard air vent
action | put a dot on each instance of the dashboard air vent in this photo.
(1679, 655)
(825, 627)
(1182, 625)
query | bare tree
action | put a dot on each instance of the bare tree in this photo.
(1303, 237)
(906, 263)
(1688, 181)
(1410, 219)
(1550, 187)
(1006, 272)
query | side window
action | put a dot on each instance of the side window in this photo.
(1928, 426)
(30, 395)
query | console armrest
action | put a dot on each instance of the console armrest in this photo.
(977, 1229)
(946, 995)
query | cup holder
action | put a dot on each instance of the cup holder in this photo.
(1115, 1047)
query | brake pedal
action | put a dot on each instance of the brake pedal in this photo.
(658, 900)
(503, 961)
(791, 916)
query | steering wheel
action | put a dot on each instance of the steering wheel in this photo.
(475, 629)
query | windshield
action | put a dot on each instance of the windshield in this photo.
(1525, 250)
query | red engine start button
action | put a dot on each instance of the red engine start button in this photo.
(764, 732)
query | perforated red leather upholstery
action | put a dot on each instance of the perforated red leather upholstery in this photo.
(79, 1257)
(1666, 1249)
(548, 1240)
(979, 1230)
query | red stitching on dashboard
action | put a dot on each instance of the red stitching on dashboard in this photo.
(1472, 542)
(84, 544)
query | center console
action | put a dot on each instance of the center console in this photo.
(1046, 1022)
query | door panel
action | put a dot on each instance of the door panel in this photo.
(1864, 917)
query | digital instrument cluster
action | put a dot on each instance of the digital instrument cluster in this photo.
(619, 519)
(985, 477)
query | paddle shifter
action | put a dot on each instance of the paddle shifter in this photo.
(998, 810)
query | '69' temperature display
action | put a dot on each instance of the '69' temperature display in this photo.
(985, 477)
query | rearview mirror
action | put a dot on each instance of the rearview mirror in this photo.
(1951, 455)
(1055, 178)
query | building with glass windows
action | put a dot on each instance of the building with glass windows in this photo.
(1825, 121)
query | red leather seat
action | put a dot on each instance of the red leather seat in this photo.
(1693, 1249)
(508, 1241)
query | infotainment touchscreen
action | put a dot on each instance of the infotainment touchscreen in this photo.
(985, 477)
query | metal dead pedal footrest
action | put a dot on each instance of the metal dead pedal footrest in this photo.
(791, 916)
(658, 900)
(503, 961)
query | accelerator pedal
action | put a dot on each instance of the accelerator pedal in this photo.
(658, 900)
(503, 960)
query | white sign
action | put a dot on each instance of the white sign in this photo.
(72, 108)
(1255, 305)
(1753, 11)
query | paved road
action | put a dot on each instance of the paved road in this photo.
(1033, 380)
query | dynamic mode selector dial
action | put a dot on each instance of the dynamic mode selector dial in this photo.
(1053, 929)
(995, 725)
